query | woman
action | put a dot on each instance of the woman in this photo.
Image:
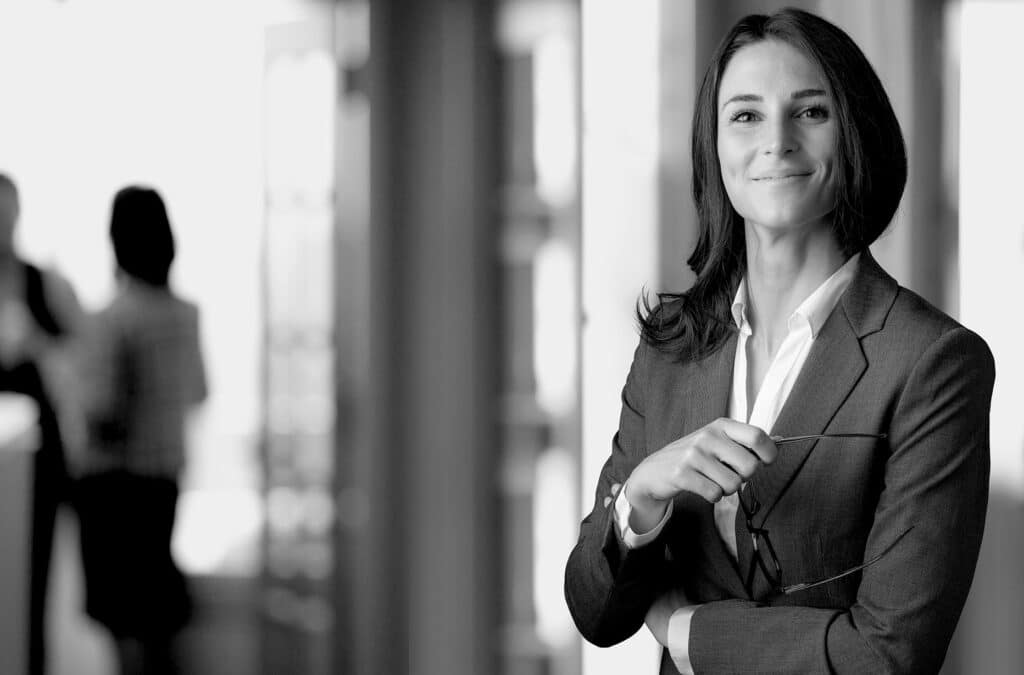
(144, 373)
(743, 548)
(40, 321)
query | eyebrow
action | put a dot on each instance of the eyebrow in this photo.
(803, 93)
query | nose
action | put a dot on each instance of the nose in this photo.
(779, 138)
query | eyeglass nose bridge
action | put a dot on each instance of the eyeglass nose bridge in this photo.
(755, 534)
(749, 509)
(759, 561)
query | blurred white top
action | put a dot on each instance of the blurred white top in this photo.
(19, 423)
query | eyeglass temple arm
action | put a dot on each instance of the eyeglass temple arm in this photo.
(803, 587)
(781, 440)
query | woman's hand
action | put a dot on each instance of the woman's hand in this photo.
(712, 462)
(661, 611)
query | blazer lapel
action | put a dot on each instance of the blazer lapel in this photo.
(832, 369)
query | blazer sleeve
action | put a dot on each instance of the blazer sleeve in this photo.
(608, 586)
(908, 603)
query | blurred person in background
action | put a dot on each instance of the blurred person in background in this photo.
(803, 445)
(144, 372)
(39, 320)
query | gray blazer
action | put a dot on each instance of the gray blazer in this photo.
(885, 362)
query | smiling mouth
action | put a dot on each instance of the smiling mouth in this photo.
(782, 179)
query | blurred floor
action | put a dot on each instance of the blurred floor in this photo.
(223, 638)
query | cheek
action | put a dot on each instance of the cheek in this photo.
(731, 166)
(828, 186)
(729, 158)
(731, 169)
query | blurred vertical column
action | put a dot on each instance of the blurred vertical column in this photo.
(540, 258)
(358, 565)
(679, 75)
(298, 438)
(420, 590)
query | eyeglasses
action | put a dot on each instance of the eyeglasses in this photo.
(782, 440)
(762, 544)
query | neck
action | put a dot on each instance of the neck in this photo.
(783, 269)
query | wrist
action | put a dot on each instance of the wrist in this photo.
(645, 511)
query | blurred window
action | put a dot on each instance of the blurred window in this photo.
(300, 96)
(539, 47)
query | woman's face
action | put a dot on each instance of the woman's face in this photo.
(777, 137)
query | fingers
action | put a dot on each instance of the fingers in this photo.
(718, 472)
(754, 439)
(700, 484)
(718, 460)
(712, 462)
(739, 459)
(615, 491)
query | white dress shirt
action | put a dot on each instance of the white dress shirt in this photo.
(803, 327)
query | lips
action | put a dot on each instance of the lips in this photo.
(778, 177)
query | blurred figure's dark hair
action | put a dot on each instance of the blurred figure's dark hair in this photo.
(8, 182)
(870, 174)
(141, 234)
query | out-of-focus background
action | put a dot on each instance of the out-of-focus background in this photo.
(416, 232)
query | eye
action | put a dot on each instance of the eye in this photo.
(743, 117)
(814, 112)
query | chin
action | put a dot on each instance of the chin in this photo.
(786, 220)
(776, 220)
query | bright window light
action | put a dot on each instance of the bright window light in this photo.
(620, 224)
(991, 232)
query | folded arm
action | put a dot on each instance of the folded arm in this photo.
(609, 586)
(908, 603)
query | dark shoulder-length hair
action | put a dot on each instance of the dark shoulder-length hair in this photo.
(141, 234)
(870, 174)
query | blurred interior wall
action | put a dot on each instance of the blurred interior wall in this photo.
(620, 240)
(681, 48)
(422, 593)
(991, 272)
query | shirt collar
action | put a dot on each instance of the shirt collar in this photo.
(814, 310)
(739, 308)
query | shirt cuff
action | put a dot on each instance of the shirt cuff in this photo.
(679, 638)
(630, 538)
